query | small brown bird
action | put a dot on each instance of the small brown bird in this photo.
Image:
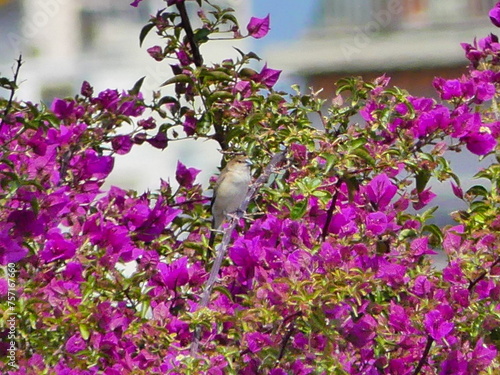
(230, 189)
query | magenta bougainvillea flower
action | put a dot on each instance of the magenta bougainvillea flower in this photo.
(268, 77)
(65, 109)
(156, 52)
(174, 275)
(11, 249)
(136, 3)
(480, 143)
(495, 15)
(380, 191)
(160, 140)
(186, 176)
(376, 223)
(122, 144)
(258, 27)
(189, 124)
(437, 325)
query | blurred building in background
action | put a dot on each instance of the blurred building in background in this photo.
(412, 41)
(64, 42)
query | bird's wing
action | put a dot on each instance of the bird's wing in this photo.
(221, 178)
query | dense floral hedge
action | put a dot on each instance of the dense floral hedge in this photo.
(328, 273)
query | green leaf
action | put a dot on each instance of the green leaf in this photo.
(219, 95)
(295, 87)
(362, 153)
(352, 187)
(478, 190)
(434, 230)
(479, 207)
(247, 73)
(179, 78)
(429, 213)
(201, 35)
(331, 161)
(321, 194)
(229, 17)
(145, 305)
(240, 52)
(216, 75)
(298, 210)
(407, 233)
(144, 32)
(275, 98)
(8, 163)
(137, 86)
(10, 178)
(7, 83)
(35, 205)
(167, 100)
(252, 55)
(422, 178)
(429, 157)
(455, 178)
(84, 331)
(357, 143)
(224, 291)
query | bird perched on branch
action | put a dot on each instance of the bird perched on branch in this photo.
(230, 189)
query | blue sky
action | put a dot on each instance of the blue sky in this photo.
(288, 18)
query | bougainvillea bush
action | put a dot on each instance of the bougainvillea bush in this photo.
(330, 270)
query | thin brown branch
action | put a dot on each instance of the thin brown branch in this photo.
(483, 274)
(199, 200)
(285, 341)
(425, 354)
(228, 232)
(333, 204)
(323, 120)
(186, 25)
(19, 62)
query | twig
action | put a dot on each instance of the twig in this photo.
(197, 59)
(483, 274)
(228, 232)
(285, 341)
(189, 202)
(19, 62)
(425, 354)
(323, 121)
(329, 214)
